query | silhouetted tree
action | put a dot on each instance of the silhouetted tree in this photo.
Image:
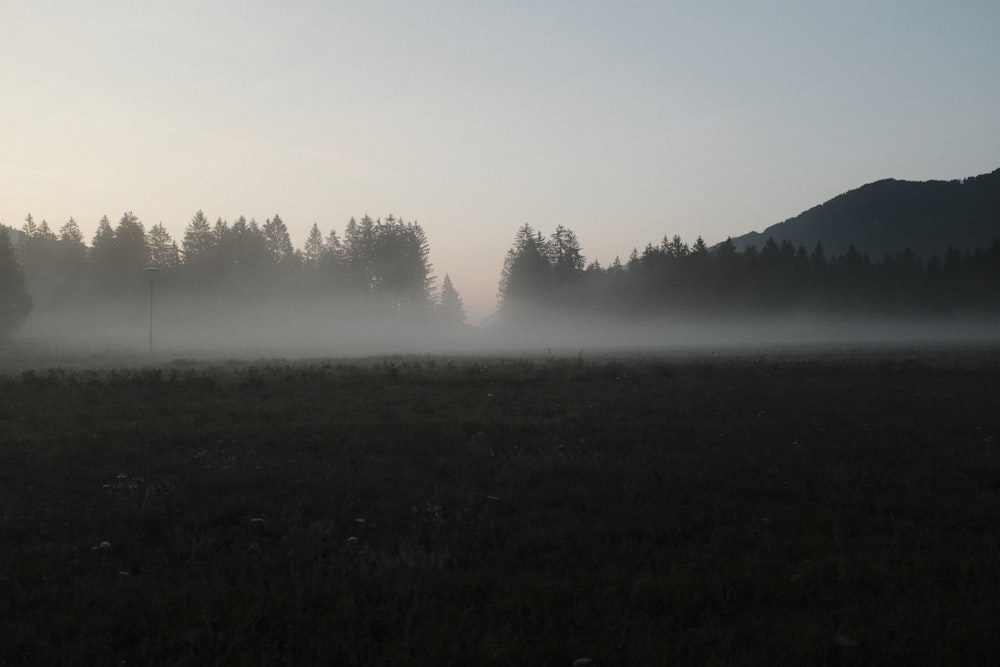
(220, 232)
(102, 256)
(526, 278)
(312, 251)
(564, 253)
(450, 309)
(245, 256)
(277, 241)
(163, 251)
(676, 247)
(400, 270)
(15, 304)
(119, 256)
(198, 239)
(39, 258)
(72, 260)
(71, 236)
(331, 267)
(131, 251)
(358, 246)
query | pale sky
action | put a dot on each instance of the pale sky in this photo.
(623, 121)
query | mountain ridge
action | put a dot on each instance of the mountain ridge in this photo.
(890, 215)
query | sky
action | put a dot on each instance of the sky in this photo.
(624, 121)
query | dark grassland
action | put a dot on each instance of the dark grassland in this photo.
(759, 510)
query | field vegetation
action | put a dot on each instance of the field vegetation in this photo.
(756, 509)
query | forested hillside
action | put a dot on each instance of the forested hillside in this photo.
(890, 216)
(544, 278)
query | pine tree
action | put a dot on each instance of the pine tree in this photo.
(526, 278)
(567, 269)
(45, 233)
(450, 309)
(163, 251)
(277, 241)
(398, 267)
(676, 247)
(198, 238)
(30, 228)
(39, 257)
(102, 252)
(567, 260)
(130, 245)
(38, 245)
(358, 248)
(71, 261)
(312, 251)
(251, 259)
(15, 303)
(331, 262)
(70, 233)
(333, 247)
(220, 232)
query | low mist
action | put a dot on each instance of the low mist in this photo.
(216, 328)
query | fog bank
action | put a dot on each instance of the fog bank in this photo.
(213, 327)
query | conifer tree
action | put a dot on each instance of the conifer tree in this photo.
(312, 251)
(39, 250)
(70, 233)
(526, 278)
(30, 228)
(278, 243)
(15, 303)
(450, 309)
(102, 252)
(198, 238)
(132, 252)
(72, 254)
(163, 251)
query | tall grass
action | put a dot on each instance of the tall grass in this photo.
(426, 511)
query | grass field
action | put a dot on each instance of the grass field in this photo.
(740, 510)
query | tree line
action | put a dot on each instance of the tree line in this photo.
(382, 264)
(546, 275)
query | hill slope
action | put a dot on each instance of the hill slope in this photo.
(890, 215)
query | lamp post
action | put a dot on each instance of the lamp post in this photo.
(151, 271)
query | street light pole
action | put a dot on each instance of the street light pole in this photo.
(151, 270)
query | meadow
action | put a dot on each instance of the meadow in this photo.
(806, 509)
